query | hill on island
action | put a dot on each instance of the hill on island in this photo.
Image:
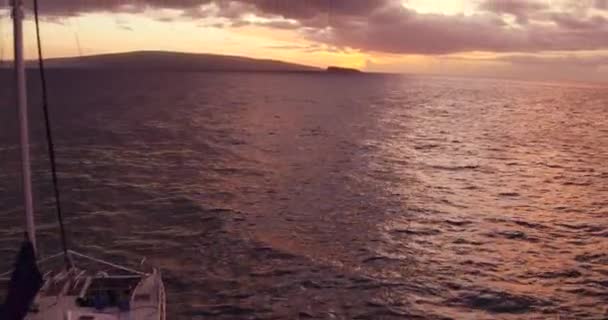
(174, 61)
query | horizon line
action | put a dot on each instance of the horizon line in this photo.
(4, 62)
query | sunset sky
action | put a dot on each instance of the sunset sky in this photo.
(540, 40)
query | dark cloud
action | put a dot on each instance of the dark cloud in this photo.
(387, 26)
(601, 4)
(396, 29)
(300, 9)
(569, 21)
(76, 7)
(308, 9)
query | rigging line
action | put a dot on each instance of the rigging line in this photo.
(79, 184)
(49, 138)
(76, 37)
(78, 44)
(1, 41)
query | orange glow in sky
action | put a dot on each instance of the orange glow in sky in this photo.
(109, 33)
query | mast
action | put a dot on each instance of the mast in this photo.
(21, 100)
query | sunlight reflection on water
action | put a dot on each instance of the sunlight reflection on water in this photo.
(294, 195)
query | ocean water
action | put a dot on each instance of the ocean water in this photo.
(285, 196)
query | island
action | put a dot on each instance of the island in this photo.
(180, 62)
(173, 61)
(333, 69)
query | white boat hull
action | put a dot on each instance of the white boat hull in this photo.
(100, 291)
(146, 300)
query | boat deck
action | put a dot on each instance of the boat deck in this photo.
(79, 294)
(74, 296)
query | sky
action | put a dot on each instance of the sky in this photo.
(527, 39)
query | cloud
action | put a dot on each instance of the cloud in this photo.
(587, 60)
(601, 4)
(568, 21)
(395, 29)
(521, 9)
(571, 60)
(399, 30)
(388, 26)
(309, 48)
(309, 9)
(275, 24)
(67, 8)
(290, 9)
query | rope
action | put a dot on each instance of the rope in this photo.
(39, 262)
(49, 139)
(1, 40)
(113, 265)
